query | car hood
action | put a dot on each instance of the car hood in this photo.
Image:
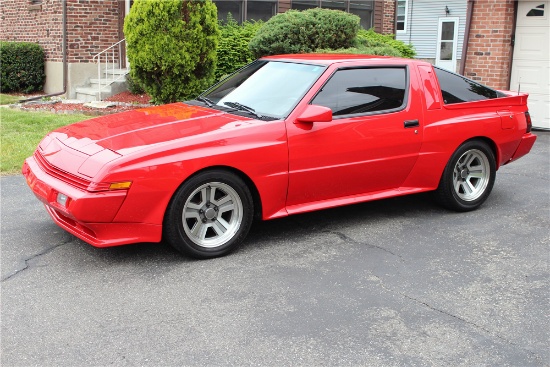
(129, 131)
(83, 148)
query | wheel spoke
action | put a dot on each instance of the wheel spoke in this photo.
(457, 186)
(223, 222)
(469, 159)
(222, 201)
(218, 227)
(191, 213)
(199, 230)
(468, 187)
(477, 174)
(226, 207)
(212, 194)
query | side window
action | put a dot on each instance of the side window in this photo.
(357, 91)
(457, 89)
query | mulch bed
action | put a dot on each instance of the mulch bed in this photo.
(124, 101)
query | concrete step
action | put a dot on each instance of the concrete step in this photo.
(91, 92)
(87, 94)
(116, 71)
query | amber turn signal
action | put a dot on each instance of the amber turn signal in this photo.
(120, 185)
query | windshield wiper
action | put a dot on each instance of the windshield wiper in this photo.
(242, 107)
(208, 102)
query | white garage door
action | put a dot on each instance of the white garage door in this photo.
(531, 64)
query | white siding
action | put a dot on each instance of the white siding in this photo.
(422, 22)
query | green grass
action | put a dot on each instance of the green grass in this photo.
(20, 133)
(7, 99)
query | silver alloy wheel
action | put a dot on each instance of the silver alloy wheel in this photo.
(471, 175)
(212, 214)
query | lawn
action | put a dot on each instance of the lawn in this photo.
(20, 133)
(8, 99)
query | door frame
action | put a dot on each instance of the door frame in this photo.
(447, 64)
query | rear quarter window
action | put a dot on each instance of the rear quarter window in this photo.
(457, 89)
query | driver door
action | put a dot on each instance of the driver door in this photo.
(371, 144)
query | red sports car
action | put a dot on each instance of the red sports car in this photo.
(284, 135)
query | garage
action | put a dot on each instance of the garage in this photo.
(531, 60)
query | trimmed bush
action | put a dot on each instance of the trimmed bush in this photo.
(172, 47)
(133, 85)
(364, 50)
(305, 31)
(22, 65)
(369, 39)
(233, 51)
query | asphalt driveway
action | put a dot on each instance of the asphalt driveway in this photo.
(398, 282)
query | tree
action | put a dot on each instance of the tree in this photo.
(172, 47)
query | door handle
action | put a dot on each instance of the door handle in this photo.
(411, 123)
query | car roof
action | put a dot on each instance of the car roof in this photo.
(329, 59)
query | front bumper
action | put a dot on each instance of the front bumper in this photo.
(87, 215)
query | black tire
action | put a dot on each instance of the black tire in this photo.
(468, 177)
(209, 215)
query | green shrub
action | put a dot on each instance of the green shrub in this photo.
(370, 39)
(233, 51)
(364, 50)
(22, 66)
(133, 86)
(172, 47)
(305, 31)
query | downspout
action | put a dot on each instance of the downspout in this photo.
(469, 13)
(64, 51)
(512, 45)
(410, 21)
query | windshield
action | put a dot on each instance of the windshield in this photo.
(269, 88)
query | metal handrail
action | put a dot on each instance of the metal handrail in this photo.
(108, 53)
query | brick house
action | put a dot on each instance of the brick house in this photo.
(482, 43)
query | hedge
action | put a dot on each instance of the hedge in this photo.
(305, 31)
(22, 65)
(233, 51)
(370, 39)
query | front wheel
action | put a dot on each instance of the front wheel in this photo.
(468, 177)
(209, 215)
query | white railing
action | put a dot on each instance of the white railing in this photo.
(108, 58)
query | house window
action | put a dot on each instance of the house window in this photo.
(361, 8)
(260, 9)
(242, 10)
(401, 23)
(233, 7)
(536, 12)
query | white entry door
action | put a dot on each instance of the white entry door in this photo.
(447, 37)
(531, 62)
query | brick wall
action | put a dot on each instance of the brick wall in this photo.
(42, 23)
(490, 50)
(388, 20)
(92, 26)
(384, 16)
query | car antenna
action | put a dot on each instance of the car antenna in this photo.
(519, 84)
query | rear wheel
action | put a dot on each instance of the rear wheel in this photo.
(468, 177)
(209, 215)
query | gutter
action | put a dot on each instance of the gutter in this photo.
(64, 51)
(469, 14)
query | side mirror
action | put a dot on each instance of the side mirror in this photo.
(315, 113)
